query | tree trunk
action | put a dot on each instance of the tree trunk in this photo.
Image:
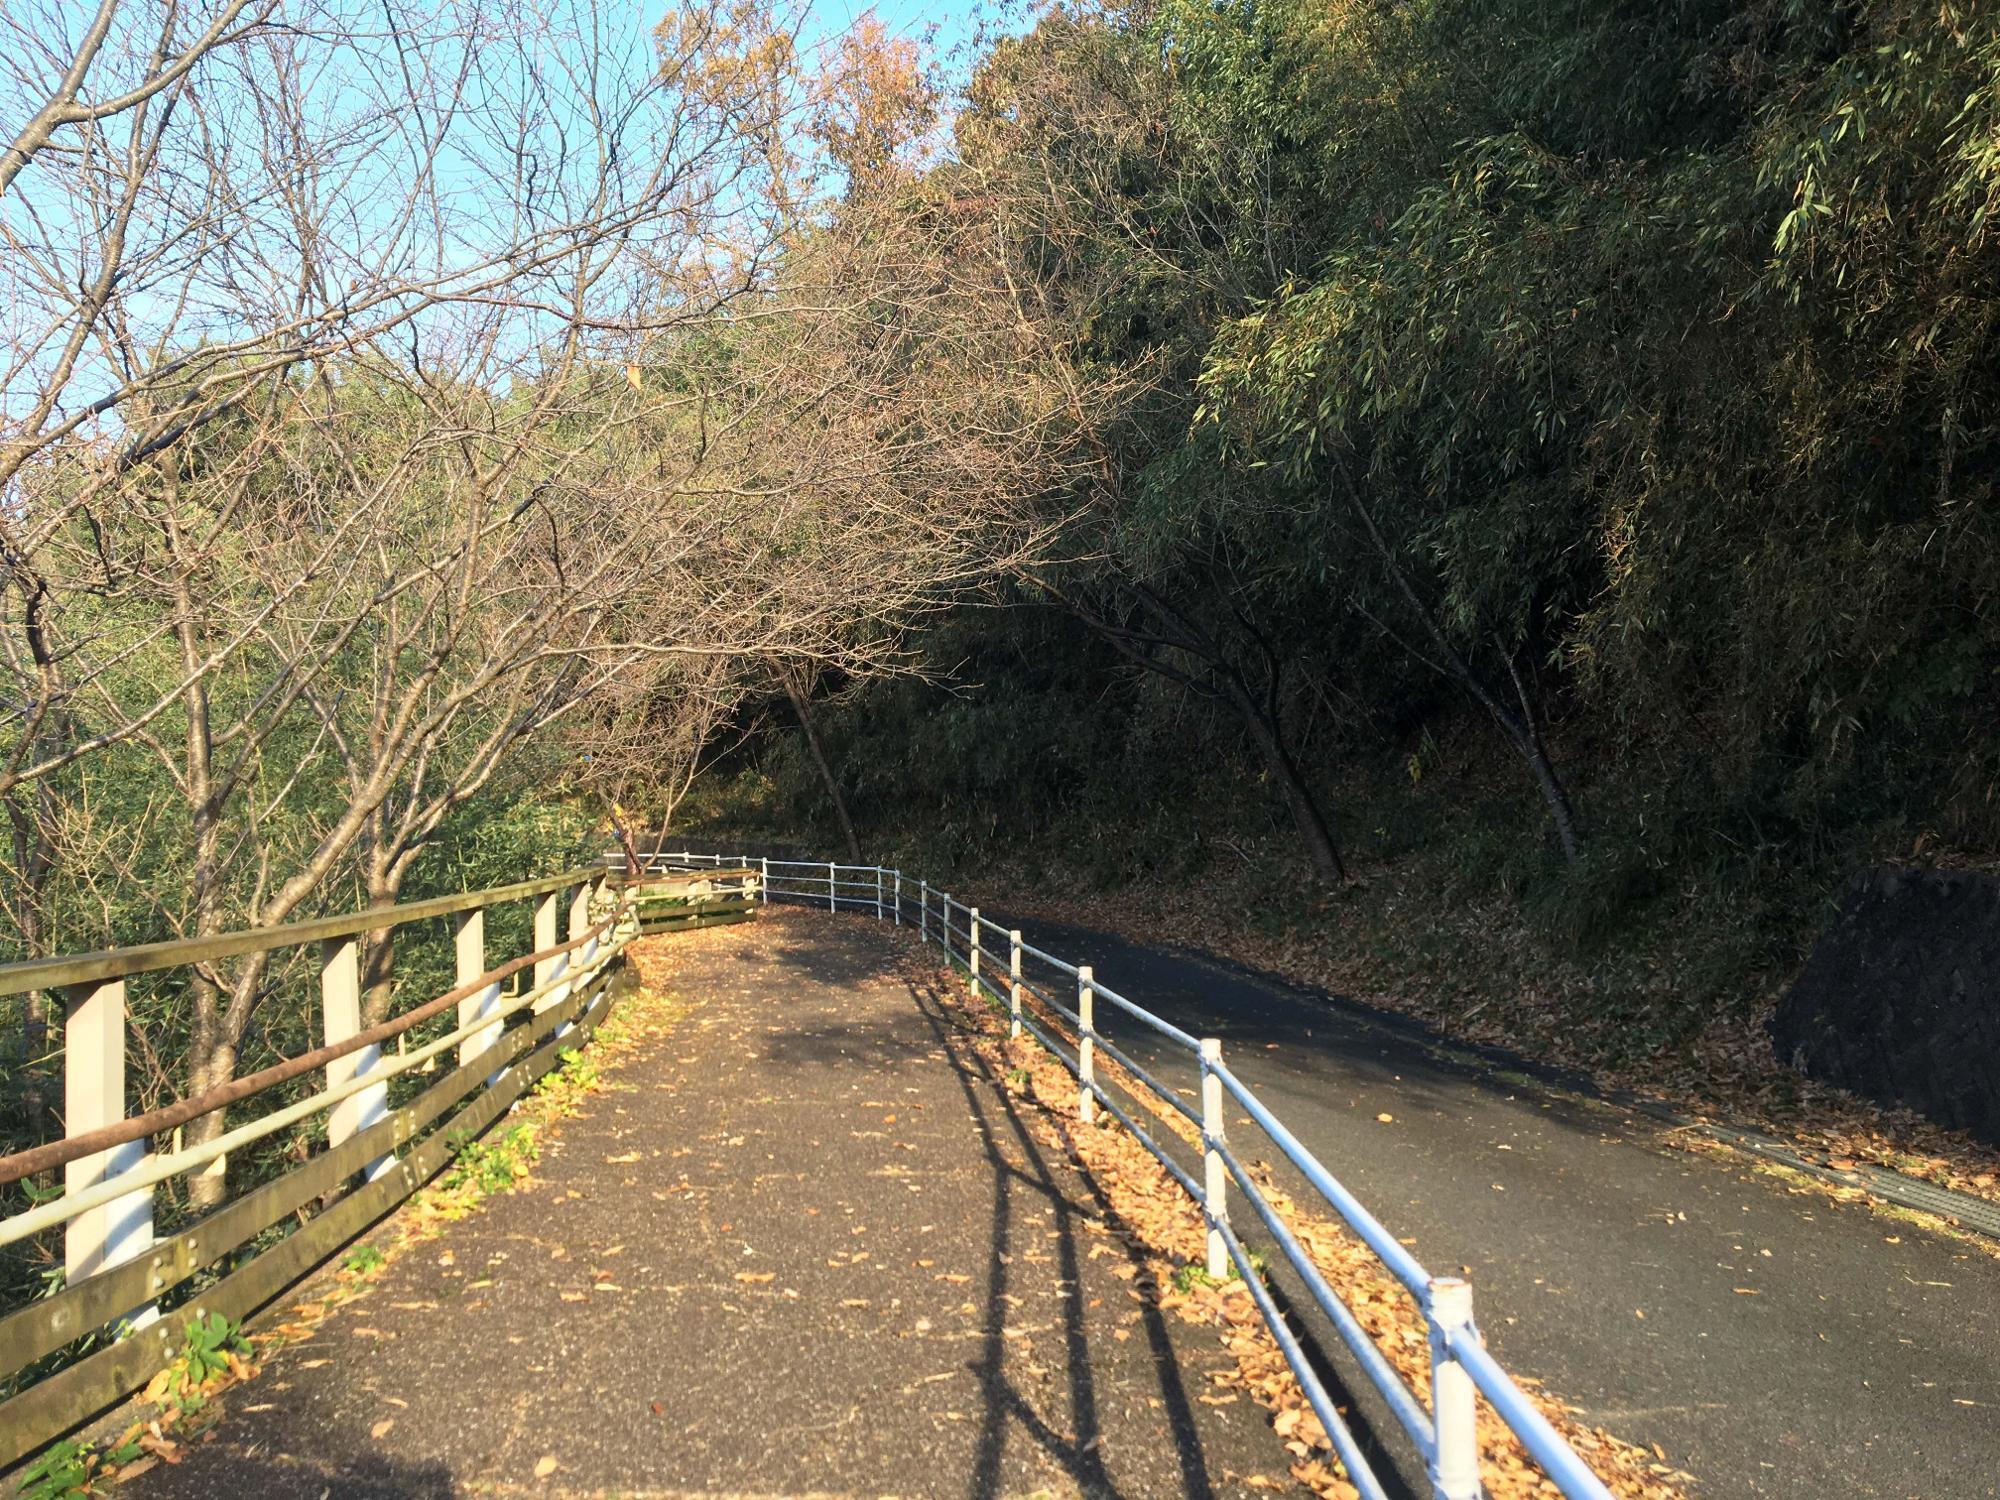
(1321, 847)
(800, 708)
(34, 863)
(378, 948)
(1521, 730)
(214, 1064)
(378, 970)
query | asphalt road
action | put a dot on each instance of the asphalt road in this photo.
(805, 1244)
(1771, 1342)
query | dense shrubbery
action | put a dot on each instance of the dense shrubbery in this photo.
(1604, 391)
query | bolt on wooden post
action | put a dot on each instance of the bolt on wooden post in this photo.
(1014, 983)
(1454, 1399)
(340, 1018)
(1086, 1045)
(1216, 1184)
(94, 1096)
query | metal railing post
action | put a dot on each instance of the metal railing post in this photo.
(93, 1096)
(1086, 1045)
(878, 893)
(899, 898)
(944, 922)
(1214, 1202)
(468, 942)
(924, 911)
(972, 952)
(832, 892)
(1014, 983)
(764, 878)
(1454, 1399)
(340, 1018)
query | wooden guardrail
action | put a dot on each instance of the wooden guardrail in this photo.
(681, 901)
(120, 1278)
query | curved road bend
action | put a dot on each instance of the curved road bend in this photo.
(1861, 1356)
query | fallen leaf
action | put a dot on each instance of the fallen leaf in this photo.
(756, 1276)
(381, 1428)
(545, 1466)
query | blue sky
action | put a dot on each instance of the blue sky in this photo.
(904, 17)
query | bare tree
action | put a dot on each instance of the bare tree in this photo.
(436, 395)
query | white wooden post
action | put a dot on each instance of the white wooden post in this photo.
(764, 878)
(972, 953)
(94, 1096)
(832, 895)
(1014, 983)
(878, 893)
(579, 920)
(469, 954)
(579, 916)
(546, 969)
(340, 1018)
(1454, 1400)
(1086, 1045)
(944, 924)
(1217, 1183)
(899, 898)
(593, 907)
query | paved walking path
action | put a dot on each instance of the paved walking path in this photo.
(807, 1248)
(1772, 1342)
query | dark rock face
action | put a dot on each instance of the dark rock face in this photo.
(1900, 1000)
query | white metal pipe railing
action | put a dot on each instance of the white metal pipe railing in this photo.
(1461, 1364)
(1050, 959)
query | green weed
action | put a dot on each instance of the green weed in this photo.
(493, 1166)
(73, 1468)
(212, 1349)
